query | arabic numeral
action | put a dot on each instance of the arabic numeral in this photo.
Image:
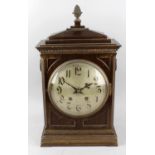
(89, 105)
(78, 108)
(78, 70)
(68, 73)
(68, 106)
(88, 73)
(59, 90)
(61, 99)
(61, 80)
(99, 90)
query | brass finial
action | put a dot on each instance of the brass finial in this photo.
(77, 12)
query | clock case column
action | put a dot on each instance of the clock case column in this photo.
(78, 42)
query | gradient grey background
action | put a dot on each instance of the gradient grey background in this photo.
(51, 16)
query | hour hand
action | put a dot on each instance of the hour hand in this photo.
(87, 85)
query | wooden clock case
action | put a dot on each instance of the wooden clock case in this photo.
(78, 42)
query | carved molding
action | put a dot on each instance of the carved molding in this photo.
(93, 125)
(64, 125)
(79, 51)
(52, 64)
(81, 132)
(105, 64)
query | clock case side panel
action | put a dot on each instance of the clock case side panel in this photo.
(43, 68)
(111, 62)
(114, 67)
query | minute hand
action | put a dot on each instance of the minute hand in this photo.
(71, 85)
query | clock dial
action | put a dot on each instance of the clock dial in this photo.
(78, 88)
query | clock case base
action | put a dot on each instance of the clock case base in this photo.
(79, 138)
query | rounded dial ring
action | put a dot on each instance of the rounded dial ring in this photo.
(78, 88)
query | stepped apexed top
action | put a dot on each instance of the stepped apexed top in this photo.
(78, 34)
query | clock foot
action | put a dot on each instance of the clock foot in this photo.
(102, 137)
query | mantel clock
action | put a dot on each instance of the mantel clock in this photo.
(78, 78)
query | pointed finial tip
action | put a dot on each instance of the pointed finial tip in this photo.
(77, 11)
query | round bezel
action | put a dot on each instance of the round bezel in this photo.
(63, 66)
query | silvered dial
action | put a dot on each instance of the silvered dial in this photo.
(78, 88)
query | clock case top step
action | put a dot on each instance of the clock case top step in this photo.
(75, 38)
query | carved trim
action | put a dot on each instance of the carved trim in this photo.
(52, 56)
(80, 131)
(106, 56)
(103, 63)
(93, 125)
(70, 125)
(41, 64)
(110, 89)
(79, 51)
(54, 62)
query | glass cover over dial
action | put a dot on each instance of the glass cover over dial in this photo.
(78, 88)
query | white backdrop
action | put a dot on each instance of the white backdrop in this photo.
(50, 16)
